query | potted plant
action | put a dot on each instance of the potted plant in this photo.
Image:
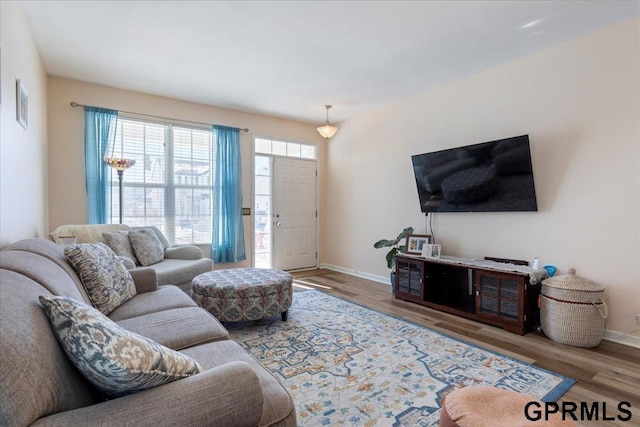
(396, 247)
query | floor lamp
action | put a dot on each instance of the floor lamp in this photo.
(120, 165)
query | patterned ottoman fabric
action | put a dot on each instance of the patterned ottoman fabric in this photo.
(243, 293)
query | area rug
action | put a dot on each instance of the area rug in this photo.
(345, 364)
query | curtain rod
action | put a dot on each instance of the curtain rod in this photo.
(75, 104)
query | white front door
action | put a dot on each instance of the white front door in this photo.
(294, 217)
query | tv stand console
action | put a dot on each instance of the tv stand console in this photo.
(500, 294)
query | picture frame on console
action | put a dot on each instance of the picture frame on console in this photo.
(431, 251)
(416, 242)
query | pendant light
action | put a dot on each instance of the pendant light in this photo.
(327, 130)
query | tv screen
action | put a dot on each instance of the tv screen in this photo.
(493, 176)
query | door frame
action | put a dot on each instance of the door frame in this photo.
(253, 194)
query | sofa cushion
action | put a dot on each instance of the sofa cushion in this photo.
(115, 360)
(104, 277)
(45, 272)
(119, 243)
(146, 246)
(165, 298)
(177, 328)
(55, 254)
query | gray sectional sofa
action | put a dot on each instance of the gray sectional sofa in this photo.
(40, 386)
(180, 264)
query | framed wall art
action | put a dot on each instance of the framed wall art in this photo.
(22, 104)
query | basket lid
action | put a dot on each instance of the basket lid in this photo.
(572, 282)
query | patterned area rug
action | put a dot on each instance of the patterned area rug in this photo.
(345, 364)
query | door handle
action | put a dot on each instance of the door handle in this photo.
(278, 223)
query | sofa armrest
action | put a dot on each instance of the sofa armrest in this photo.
(183, 252)
(145, 278)
(128, 262)
(228, 395)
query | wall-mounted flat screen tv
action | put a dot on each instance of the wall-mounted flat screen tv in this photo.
(494, 176)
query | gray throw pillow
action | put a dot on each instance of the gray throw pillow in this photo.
(105, 278)
(146, 246)
(119, 242)
(115, 360)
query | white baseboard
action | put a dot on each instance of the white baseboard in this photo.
(622, 338)
(382, 279)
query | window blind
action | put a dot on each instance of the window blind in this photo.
(171, 184)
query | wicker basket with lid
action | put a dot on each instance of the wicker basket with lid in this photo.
(572, 310)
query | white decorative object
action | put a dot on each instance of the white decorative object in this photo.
(431, 251)
(327, 130)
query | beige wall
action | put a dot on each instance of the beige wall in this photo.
(23, 153)
(580, 104)
(67, 195)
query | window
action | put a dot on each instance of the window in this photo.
(262, 209)
(287, 149)
(171, 185)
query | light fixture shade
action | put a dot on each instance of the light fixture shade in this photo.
(119, 164)
(327, 131)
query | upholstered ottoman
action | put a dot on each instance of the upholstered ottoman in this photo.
(243, 293)
(485, 406)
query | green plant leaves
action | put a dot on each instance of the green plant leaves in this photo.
(384, 243)
(388, 243)
(407, 231)
(391, 255)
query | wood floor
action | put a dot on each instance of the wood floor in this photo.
(609, 373)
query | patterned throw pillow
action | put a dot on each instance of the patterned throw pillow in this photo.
(105, 278)
(119, 242)
(147, 246)
(116, 361)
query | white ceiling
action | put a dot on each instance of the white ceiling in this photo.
(289, 58)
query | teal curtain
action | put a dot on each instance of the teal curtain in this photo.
(228, 230)
(99, 135)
